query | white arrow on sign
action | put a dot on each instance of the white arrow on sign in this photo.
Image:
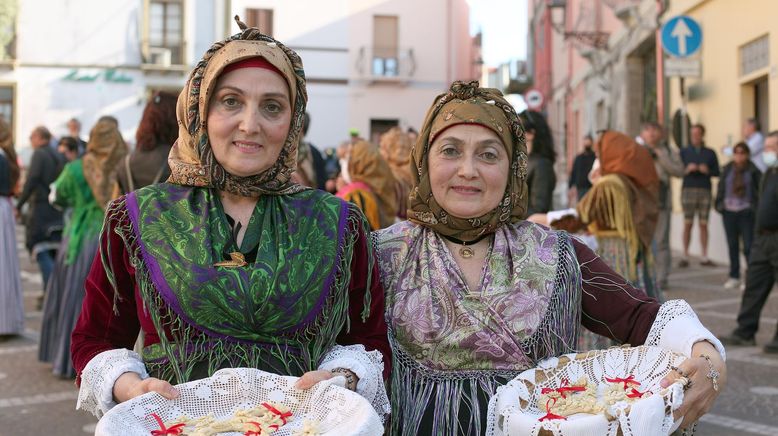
(681, 31)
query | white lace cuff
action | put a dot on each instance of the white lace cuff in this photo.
(368, 366)
(99, 376)
(677, 328)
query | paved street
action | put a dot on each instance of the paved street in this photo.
(33, 401)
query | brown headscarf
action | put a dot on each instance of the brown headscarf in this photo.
(191, 159)
(7, 145)
(620, 155)
(466, 103)
(104, 151)
(396, 150)
(366, 165)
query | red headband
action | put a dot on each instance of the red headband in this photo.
(255, 62)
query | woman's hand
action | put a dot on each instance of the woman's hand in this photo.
(310, 378)
(698, 399)
(129, 385)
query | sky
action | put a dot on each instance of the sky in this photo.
(504, 25)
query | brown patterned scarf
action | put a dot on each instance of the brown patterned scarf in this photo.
(104, 151)
(191, 159)
(466, 103)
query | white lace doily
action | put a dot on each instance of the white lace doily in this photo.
(336, 410)
(514, 411)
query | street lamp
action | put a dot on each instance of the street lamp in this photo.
(594, 38)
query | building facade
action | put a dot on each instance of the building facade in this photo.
(371, 64)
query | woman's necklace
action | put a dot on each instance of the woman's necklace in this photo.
(465, 251)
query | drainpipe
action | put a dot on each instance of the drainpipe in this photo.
(660, 65)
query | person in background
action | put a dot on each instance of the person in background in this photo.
(763, 259)
(413, 135)
(74, 131)
(11, 292)
(541, 178)
(84, 187)
(752, 135)
(156, 132)
(68, 147)
(310, 163)
(396, 150)
(736, 199)
(700, 164)
(579, 183)
(43, 222)
(667, 163)
(367, 181)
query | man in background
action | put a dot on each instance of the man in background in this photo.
(74, 131)
(755, 140)
(700, 164)
(668, 164)
(579, 183)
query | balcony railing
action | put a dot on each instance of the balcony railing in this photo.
(385, 64)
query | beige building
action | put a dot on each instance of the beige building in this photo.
(738, 80)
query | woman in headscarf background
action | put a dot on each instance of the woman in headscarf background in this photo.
(541, 178)
(476, 294)
(85, 187)
(230, 264)
(156, 132)
(11, 299)
(368, 182)
(395, 148)
(622, 207)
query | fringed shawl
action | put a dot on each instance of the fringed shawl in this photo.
(280, 313)
(452, 345)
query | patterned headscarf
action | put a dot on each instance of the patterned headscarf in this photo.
(191, 159)
(104, 151)
(366, 165)
(466, 103)
(396, 150)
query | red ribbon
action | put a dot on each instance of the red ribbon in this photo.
(252, 432)
(635, 394)
(563, 388)
(549, 416)
(164, 431)
(282, 415)
(629, 380)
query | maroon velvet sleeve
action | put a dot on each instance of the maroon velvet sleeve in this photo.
(611, 306)
(372, 332)
(99, 328)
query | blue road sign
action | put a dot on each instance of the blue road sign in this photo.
(681, 36)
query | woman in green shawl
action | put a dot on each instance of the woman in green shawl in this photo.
(230, 263)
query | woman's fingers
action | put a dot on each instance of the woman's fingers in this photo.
(311, 378)
(159, 386)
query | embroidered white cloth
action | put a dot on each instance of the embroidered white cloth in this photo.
(514, 409)
(335, 410)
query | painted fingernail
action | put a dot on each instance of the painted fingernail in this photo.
(173, 391)
(664, 383)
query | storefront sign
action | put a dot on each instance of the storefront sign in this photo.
(110, 75)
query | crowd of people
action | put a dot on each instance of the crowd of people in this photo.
(433, 275)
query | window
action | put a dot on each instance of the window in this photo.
(262, 19)
(7, 104)
(166, 32)
(754, 55)
(385, 45)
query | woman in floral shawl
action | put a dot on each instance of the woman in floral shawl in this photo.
(475, 294)
(230, 263)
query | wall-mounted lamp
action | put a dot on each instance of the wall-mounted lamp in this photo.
(594, 38)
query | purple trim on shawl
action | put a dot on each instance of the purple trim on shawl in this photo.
(158, 279)
(327, 288)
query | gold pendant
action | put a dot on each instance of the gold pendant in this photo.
(237, 260)
(466, 252)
